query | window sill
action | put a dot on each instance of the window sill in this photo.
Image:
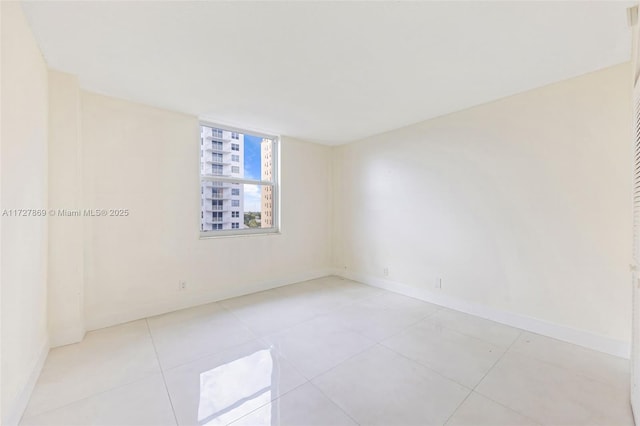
(223, 234)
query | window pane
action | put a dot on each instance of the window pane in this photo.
(258, 206)
(220, 148)
(222, 203)
(258, 161)
(226, 153)
(229, 205)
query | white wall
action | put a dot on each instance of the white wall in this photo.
(521, 205)
(66, 245)
(24, 186)
(147, 160)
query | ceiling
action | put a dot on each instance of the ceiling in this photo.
(328, 72)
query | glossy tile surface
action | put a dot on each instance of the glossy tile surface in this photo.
(221, 388)
(142, 403)
(305, 405)
(478, 410)
(491, 332)
(203, 330)
(554, 395)
(326, 352)
(105, 359)
(380, 387)
(317, 345)
(458, 356)
(595, 365)
(377, 320)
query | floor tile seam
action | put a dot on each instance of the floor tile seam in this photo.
(401, 331)
(164, 380)
(210, 354)
(563, 342)
(502, 404)
(209, 318)
(101, 392)
(270, 402)
(317, 316)
(497, 361)
(455, 410)
(241, 321)
(428, 367)
(361, 333)
(571, 370)
(503, 348)
(333, 402)
(382, 342)
(290, 361)
(328, 370)
(259, 340)
(254, 332)
(468, 334)
(466, 388)
(480, 381)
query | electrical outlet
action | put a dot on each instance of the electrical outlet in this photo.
(182, 285)
(385, 272)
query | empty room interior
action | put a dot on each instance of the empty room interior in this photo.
(319, 213)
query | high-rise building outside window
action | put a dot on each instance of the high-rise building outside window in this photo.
(238, 180)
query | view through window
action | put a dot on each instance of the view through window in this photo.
(238, 182)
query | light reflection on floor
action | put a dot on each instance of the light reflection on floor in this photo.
(237, 388)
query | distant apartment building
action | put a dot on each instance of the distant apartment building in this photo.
(221, 155)
(266, 210)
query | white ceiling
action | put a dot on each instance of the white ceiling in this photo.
(329, 72)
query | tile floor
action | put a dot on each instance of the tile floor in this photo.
(326, 352)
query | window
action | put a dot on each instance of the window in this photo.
(241, 197)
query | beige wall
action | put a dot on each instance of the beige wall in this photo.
(147, 160)
(66, 245)
(521, 205)
(24, 186)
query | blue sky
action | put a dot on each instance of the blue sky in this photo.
(252, 157)
(252, 163)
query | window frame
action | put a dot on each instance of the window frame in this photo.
(275, 183)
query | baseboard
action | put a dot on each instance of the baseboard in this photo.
(557, 331)
(195, 299)
(15, 412)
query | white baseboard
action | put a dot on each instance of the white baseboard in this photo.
(15, 412)
(557, 331)
(195, 299)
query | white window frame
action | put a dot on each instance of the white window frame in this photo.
(275, 183)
